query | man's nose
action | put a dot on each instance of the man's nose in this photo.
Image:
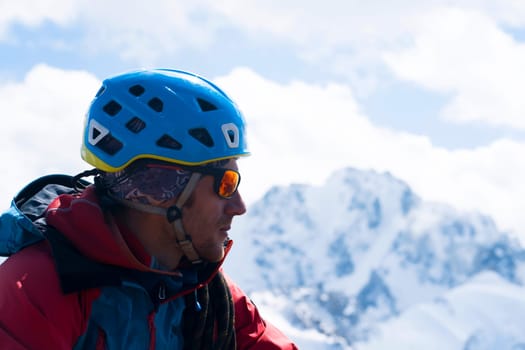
(236, 205)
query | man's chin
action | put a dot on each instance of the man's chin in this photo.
(213, 256)
(218, 258)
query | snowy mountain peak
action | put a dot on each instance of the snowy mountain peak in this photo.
(360, 250)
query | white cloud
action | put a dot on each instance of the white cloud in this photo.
(465, 54)
(144, 31)
(139, 31)
(301, 133)
(33, 13)
(321, 29)
(42, 125)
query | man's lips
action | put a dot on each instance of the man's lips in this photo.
(225, 226)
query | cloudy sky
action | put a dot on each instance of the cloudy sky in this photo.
(432, 92)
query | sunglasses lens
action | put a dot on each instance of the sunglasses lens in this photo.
(229, 183)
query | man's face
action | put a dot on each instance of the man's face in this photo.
(207, 218)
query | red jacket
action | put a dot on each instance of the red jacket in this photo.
(47, 304)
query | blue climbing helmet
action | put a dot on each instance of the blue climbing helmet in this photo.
(163, 114)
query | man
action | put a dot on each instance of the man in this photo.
(133, 260)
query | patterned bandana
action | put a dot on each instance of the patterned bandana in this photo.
(149, 182)
(146, 184)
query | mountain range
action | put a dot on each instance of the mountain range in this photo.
(362, 262)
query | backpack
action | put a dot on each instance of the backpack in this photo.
(23, 223)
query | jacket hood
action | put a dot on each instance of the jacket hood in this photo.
(53, 201)
(81, 220)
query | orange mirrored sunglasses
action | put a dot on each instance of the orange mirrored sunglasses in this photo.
(226, 180)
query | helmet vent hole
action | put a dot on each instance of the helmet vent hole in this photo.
(112, 108)
(231, 136)
(109, 144)
(135, 125)
(95, 133)
(100, 91)
(167, 141)
(202, 135)
(156, 104)
(206, 106)
(136, 90)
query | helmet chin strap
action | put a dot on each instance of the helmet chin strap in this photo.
(174, 216)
